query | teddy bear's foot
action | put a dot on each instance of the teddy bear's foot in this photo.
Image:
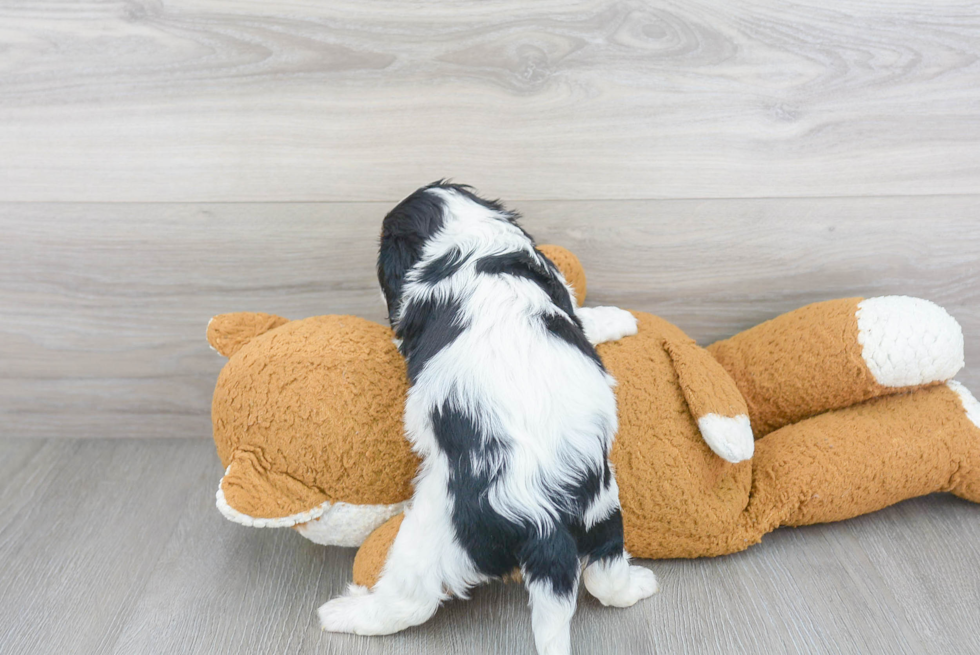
(908, 341)
(615, 583)
(966, 480)
(970, 404)
(363, 612)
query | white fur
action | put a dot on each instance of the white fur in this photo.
(506, 362)
(551, 617)
(603, 505)
(614, 582)
(512, 377)
(329, 524)
(908, 341)
(730, 437)
(425, 566)
(970, 404)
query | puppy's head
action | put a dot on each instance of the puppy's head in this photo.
(411, 224)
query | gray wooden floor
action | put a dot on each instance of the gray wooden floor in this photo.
(114, 546)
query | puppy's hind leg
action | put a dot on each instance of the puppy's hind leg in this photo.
(423, 562)
(608, 575)
(550, 567)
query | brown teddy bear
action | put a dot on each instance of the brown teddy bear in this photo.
(849, 401)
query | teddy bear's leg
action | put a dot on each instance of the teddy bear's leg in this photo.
(966, 480)
(852, 461)
(371, 556)
(424, 566)
(837, 353)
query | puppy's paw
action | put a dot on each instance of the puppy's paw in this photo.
(364, 612)
(603, 324)
(615, 583)
(356, 613)
(642, 584)
(339, 614)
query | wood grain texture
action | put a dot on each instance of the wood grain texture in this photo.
(115, 546)
(305, 100)
(103, 307)
(83, 527)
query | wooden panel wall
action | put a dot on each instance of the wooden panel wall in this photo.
(713, 162)
(208, 100)
(105, 305)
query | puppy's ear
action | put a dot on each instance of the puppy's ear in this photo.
(395, 258)
(404, 233)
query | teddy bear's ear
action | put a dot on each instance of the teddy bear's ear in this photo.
(570, 267)
(227, 333)
(252, 494)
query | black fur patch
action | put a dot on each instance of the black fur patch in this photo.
(489, 539)
(603, 541)
(584, 490)
(562, 328)
(497, 545)
(522, 264)
(426, 328)
(404, 233)
(552, 557)
(575, 497)
(442, 267)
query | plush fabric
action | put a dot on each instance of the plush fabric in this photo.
(308, 413)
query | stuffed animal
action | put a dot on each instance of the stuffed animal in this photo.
(849, 401)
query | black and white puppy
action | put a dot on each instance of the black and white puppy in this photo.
(513, 416)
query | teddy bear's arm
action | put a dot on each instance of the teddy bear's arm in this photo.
(833, 354)
(602, 324)
(713, 399)
(570, 267)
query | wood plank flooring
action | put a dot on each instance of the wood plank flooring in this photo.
(593, 99)
(115, 546)
(103, 307)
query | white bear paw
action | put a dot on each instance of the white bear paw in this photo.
(603, 324)
(908, 341)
